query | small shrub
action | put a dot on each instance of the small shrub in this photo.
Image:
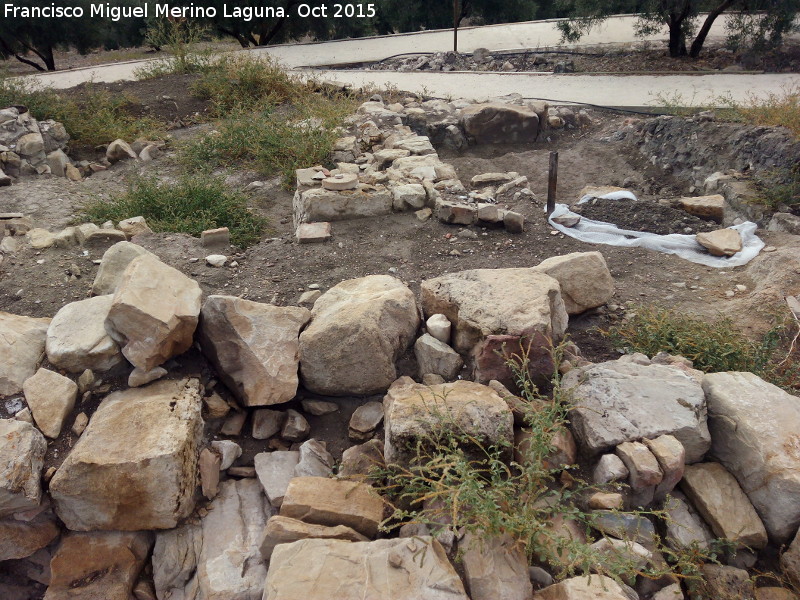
(780, 188)
(712, 346)
(97, 118)
(272, 141)
(247, 83)
(179, 39)
(449, 482)
(191, 205)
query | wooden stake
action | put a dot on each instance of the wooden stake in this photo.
(552, 181)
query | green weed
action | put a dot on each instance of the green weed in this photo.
(711, 345)
(191, 205)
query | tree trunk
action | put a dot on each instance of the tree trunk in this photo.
(47, 57)
(677, 45)
(700, 39)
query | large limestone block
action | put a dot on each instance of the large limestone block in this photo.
(283, 530)
(134, 467)
(113, 264)
(594, 587)
(584, 278)
(333, 502)
(724, 506)
(77, 338)
(98, 565)
(22, 450)
(414, 411)
(497, 310)
(705, 206)
(51, 397)
(217, 559)
(399, 569)
(498, 123)
(620, 401)
(22, 341)
(755, 429)
(254, 347)
(357, 331)
(154, 312)
(321, 205)
(495, 568)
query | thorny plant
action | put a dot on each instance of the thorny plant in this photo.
(456, 481)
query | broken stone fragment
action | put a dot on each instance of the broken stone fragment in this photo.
(154, 312)
(722, 242)
(22, 450)
(118, 150)
(22, 346)
(254, 346)
(51, 398)
(283, 530)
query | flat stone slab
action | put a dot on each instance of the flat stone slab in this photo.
(315, 569)
(313, 233)
(320, 205)
(619, 401)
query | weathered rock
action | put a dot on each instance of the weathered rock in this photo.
(726, 583)
(357, 331)
(497, 123)
(606, 501)
(671, 459)
(21, 538)
(493, 308)
(51, 397)
(514, 222)
(219, 238)
(121, 475)
(140, 377)
(455, 213)
(359, 461)
(333, 502)
(254, 347)
(722, 503)
(22, 342)
(625, 526)
(317, 205)
(219, 558)
(771, 593)
(495, 568)
(283, 530)
(208, 465)
(275, 470)
(609, 468)
(584, 278)
(22, 450)
(594, 587)
(645, 473)
(313, 233)
(722, 242)
(315, 460)
(103, 239)
(408, 196)
(439, 327)
(154, 312)
(267, 423)
(228, 452)
(39, 238)
(119, 150)
(295, 427)
(705, 206)
(98, 565)
(319, 407)
(134, 226)
(790, 561)
(684, 526)
(754, 429)
(77, 339)
(413, 411)
(434, 356)
(365, 420)
(620, 401)
(324, 569)
(671, 592)
(113, 264)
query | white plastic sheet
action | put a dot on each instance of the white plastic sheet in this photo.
(685, 246)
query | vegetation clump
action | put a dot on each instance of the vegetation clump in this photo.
(190, 205)
(460, 483)
(711, 345)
